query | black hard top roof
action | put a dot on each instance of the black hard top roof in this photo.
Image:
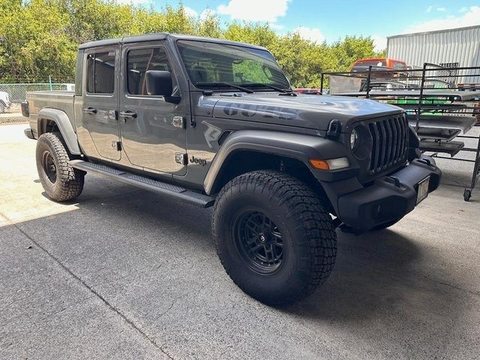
(161, 36)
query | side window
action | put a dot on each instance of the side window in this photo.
(139, 61)
(101, 73)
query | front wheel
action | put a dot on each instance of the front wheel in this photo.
(273, 236)
(59, 179)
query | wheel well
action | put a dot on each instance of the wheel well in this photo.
(46, 125)
(245, 161)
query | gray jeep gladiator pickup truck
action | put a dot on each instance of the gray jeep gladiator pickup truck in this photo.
(216, 123)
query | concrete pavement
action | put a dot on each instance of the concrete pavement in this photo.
(126, 274)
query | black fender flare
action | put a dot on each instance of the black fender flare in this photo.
(60, 118)
(295, 146)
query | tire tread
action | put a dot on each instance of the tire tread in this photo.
(303, 205)
(70, 181)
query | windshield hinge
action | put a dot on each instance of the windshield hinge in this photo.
(334, 129)
(117, 145)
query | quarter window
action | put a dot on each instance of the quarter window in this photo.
(101, 73)
(139, 61)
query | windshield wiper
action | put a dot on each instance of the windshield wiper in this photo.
(268, 86)
(224, 84)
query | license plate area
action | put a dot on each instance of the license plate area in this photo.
(422, 189)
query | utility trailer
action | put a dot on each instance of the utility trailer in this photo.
(442, 105)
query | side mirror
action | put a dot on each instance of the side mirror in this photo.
(159, 83)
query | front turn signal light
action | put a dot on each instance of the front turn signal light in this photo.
(331, 164)
(320, 164)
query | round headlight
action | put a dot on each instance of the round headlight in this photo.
(353, 139)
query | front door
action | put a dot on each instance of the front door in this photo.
(101, 101)
(152, 129)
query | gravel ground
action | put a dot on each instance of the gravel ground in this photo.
(13, 116)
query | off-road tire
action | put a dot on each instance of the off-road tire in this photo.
(308, 236)
(60, 181)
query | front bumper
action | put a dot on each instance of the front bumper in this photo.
(389, 198)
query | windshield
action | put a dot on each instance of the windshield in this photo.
(212, 66)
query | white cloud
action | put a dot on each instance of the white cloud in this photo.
(190, 12)
(380, 42)
(312, 34)
(469, 17)
(431, 8)
(254, 10)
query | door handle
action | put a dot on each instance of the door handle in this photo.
(128, 115)
(90, 110)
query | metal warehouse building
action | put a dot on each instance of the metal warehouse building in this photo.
(450, 48)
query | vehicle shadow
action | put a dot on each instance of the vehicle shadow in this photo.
(373, 271)
(375, 275)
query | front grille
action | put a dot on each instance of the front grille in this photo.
(390, 143)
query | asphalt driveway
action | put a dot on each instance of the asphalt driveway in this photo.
(127, 274)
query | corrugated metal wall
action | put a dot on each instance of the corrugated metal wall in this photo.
(460, 46)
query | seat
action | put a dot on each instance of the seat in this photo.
(199, 74)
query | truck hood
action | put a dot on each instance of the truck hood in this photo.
(307, 111)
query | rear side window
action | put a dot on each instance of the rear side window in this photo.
(139, 61)
(101, 73)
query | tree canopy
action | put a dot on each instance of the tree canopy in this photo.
(39, 38)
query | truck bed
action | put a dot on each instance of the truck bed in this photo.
(60, 100)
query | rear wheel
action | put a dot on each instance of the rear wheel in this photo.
(60, 181)
(273, 236)
(2, 108)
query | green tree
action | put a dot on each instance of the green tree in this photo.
(39, 38)
(352, 48)
(31, 49)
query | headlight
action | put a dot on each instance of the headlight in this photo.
(354, 139)
(360, 142)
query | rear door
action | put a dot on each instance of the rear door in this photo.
(100, 103)
(152, 129)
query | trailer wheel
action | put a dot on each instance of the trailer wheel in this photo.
(273, 236)
(60, 181)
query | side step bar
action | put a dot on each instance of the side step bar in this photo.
(146, 183)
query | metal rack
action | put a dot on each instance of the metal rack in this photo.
(442, 105)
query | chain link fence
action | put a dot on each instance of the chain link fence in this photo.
(18, 92)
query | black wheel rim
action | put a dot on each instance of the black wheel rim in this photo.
(259, 241)
(49, 166)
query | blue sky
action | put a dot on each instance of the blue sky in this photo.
(331, 20)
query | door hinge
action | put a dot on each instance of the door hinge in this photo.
(181, 158)
(117, 145)
(178, 122)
